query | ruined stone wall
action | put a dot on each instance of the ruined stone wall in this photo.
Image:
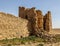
(12, 26)
(22, 12)
(48, 22)
(32, 19)
(40, 19)
(36, 19)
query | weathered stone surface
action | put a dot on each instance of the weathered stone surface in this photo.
(32, 19)
(39, 19)
(48, 21)
(22, 12)
(36, 19)
(12, 27)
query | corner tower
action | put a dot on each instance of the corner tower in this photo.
(48, 22)
(22, 12)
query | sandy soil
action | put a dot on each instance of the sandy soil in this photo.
(55, 31)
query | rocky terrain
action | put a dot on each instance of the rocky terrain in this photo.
(12, 27)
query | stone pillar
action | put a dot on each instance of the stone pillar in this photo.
(32, 19)
(48, 22)
(40, 19)
(22, 12)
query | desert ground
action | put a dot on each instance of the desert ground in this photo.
(55, 31)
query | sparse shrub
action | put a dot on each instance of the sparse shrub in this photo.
(33, 39)
(9, 45)
(22, 40)
(40, 45)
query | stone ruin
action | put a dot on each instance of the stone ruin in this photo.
(37, 21)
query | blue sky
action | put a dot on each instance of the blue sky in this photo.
(11, 6)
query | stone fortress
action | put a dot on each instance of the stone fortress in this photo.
(37, 20)
(29, 22)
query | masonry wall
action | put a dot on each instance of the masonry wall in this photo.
(36, 19)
